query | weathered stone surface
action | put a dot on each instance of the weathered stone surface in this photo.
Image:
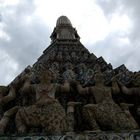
(70, 89)
(91, 135)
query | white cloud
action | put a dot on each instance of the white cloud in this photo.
(9, 2)
(4, 36)
(120, 23)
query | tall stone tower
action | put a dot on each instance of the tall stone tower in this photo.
(66, 51)
(69, 89)
(65, 48)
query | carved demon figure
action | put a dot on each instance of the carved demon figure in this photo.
(47, 111)
(104, 112)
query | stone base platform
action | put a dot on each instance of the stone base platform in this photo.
(88, 135)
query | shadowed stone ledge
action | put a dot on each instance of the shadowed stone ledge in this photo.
(87, 135)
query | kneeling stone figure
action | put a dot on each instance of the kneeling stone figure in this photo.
(47, 111)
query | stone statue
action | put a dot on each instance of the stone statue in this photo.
(3, 92)
(129, 91)
(47, 111)
(69, 74)
(133, 92)
(10, 96)
(88, 77)
(81, 70)
(104, 113)
(136, 79)
(16, 85)
(6, 118)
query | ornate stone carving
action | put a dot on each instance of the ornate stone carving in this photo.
(103, 109)
(47, 111)
(69, 74)
(46, 96)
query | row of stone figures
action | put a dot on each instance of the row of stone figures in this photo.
(40, 107)
(84, 73)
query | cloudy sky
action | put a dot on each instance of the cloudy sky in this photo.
(108, 28)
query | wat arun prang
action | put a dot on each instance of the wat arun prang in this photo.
(69, 89)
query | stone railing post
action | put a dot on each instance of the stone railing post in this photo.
(70, 115)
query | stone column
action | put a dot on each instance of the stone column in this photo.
(70, 115)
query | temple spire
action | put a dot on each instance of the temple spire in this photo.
(63, 20)
(64, 30)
